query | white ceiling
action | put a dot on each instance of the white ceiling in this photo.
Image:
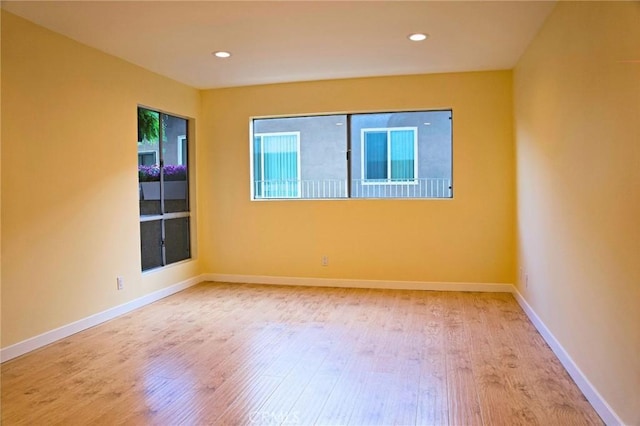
(284, 41)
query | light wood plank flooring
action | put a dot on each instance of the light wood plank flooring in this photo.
(247, 354)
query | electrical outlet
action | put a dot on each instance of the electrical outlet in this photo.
(325, 261)
(526, 280)
(120, 282)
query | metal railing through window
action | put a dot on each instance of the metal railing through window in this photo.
(359, 188)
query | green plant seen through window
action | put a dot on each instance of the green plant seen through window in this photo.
(149, 126)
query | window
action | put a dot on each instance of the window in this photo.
(373, 155)
(276, 165)
(147, 158)
(182, 149)
(163, 181)
(389, 155)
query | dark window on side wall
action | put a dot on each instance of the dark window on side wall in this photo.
(163, 180)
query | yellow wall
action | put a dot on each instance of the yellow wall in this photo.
(467, 239)
(69, 179)
(577, 115)
(0, 187)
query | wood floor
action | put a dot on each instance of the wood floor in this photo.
(246, 354)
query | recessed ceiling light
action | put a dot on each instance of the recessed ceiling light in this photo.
(339, 124)
(417, 37)
(221, 54)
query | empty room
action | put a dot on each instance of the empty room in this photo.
(320, 212)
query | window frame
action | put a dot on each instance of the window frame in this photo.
(389, 180)
(429, 187)
(164, 216)
(262, 152)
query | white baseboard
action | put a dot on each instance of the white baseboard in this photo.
(44, 339)
(590, 392)
(350, 283)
